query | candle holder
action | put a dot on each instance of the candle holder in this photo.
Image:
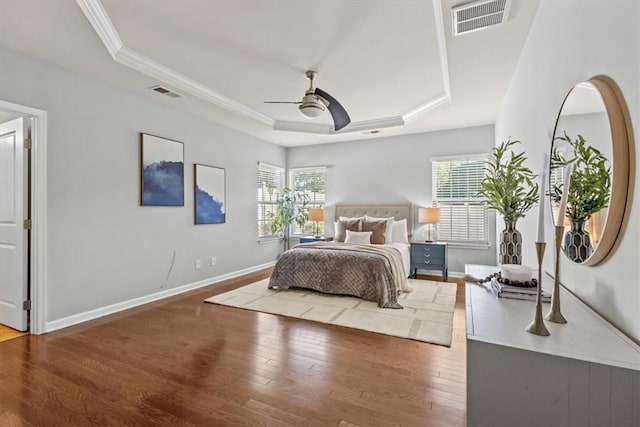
(554, 314)
(537, 326)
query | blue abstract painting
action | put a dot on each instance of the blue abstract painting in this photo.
(209, 194)
(162, 169)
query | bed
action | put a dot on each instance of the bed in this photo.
(375, 272)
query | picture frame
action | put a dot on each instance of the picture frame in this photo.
(209, 194)
(161, 171)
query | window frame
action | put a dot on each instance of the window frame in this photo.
(311, 203)
(471, 204)
(262, 203)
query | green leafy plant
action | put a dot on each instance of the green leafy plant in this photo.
(508, 185)
(589, 188)
(290, 208)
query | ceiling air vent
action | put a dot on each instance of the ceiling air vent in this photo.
(479, 15)
(165, 91)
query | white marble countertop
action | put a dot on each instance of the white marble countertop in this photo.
(587, 336)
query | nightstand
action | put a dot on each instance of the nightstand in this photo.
(307, 239)
(429, 256)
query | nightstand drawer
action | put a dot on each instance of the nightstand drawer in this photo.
(434, 251)
(426, 259)
(438, 262)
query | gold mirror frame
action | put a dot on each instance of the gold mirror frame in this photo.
(620, 138)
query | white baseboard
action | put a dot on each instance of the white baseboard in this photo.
(74, 319)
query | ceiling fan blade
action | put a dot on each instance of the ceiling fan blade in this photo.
(282, 102)
(339, 114)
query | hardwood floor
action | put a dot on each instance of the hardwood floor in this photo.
(7, 333)
(183, 362)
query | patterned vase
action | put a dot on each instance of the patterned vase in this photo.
(510, 244)
(577, 242)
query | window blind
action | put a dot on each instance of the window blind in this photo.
(309, 181)
(270, 185)
(456, 191)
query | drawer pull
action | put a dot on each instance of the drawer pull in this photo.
(427, 255)
(427, 261)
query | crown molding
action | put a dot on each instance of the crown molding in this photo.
(291, 126)
(101, 23)
(444, 68)
(98, 18)
(152, 68)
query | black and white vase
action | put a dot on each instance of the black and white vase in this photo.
(510, 244)
(577, 242)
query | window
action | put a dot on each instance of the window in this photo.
(312, 183)
(463, 211)
(270, 185)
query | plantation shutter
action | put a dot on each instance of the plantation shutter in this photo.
(270, 185)
(456, 191)
(309, 181)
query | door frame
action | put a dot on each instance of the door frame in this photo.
(38, 214)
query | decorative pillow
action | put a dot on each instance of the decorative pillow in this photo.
(399, 233)
(378, 230)
(388, 233)
(346, 218)
(358, 237)
(344, 225)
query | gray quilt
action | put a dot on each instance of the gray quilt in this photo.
(371, 272)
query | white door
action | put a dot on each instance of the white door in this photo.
(13, 236)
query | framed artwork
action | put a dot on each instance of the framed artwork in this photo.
(161, 171)
(209, 194)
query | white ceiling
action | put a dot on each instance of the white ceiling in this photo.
(394, 66)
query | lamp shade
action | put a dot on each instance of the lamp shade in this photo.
(316, 214)
(428, 215)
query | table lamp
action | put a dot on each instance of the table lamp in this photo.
(315, 215)
(429, 216)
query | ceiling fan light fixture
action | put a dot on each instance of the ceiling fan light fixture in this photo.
(311, 109)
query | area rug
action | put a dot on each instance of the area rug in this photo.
(427, 314)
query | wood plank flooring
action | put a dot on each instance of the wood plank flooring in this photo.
(7, 333)
(183, 362)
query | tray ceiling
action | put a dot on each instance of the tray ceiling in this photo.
(394, 66)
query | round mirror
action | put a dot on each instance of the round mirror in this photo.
(590, 140)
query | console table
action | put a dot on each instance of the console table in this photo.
(585, 373)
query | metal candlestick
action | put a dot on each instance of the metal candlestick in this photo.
(537, 326)
(554, 314)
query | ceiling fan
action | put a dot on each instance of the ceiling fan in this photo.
(315, 101)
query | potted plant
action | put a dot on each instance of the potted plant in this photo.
(290, 208)
(589, 191)
(509, 189)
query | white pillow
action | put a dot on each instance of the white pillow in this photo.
(358, 237)
(388, 232)
(350, 218)
(400, 234)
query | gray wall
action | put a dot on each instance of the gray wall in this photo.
(570, 42)
(103, 247)
(395, 170)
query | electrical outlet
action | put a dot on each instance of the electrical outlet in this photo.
(213, 260)
(197, 264)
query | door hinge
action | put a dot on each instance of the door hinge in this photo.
(26, 305)
(27, 224)
(27, 143)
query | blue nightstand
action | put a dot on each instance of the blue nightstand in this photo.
(307, 239)
(429, 256)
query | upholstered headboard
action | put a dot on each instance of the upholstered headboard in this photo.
(398, 212)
